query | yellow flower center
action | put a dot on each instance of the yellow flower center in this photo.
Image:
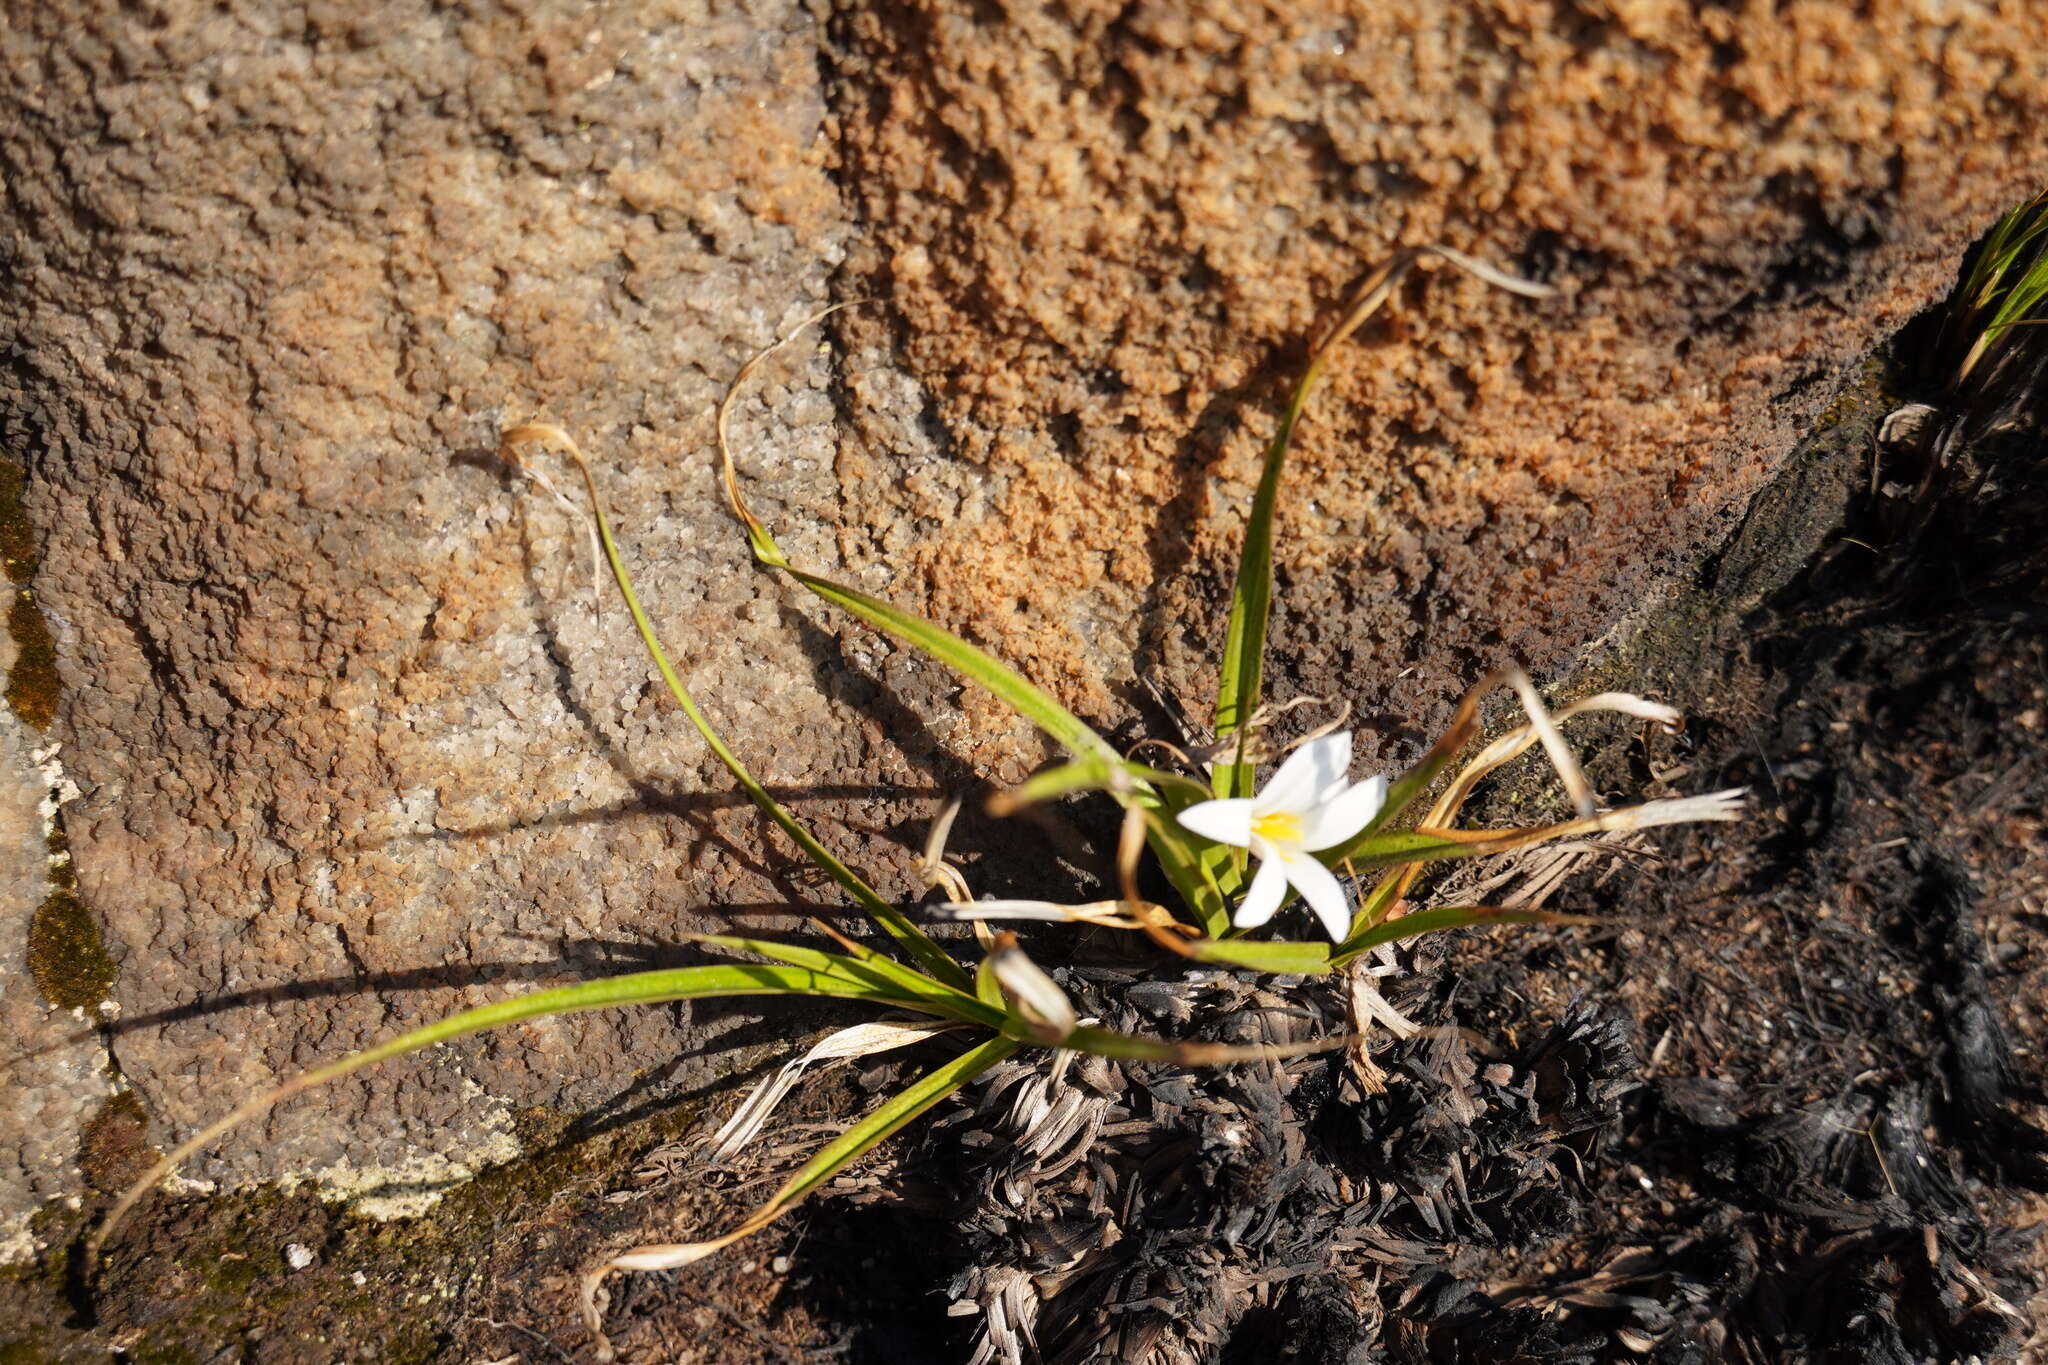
(1281, 827)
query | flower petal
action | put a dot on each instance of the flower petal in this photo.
(1319, 887)
(1226, 822)
(1263, 897)
(1311, 775)
(1351, 811)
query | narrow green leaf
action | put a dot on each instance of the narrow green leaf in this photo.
(1401, 794)
(1191, 866)
(1408, 846)
(1410, 786)
(863, 1137)
(1201, 873)
(1104, 1042)
(1175, 852)
(1439, 918)
(976, 665)
(1991, 300)
(1069, 731)
(1176, 856)
(878, 973)
(1379, 902)
(1064, 779)
(636, 988)
(1240, 678)
(1316, 959)
(989, 990)
(1094, 774)
(890, 1118)
(1279, 956)
(913, 939)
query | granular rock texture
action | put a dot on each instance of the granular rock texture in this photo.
(1105, 226)
(351, 744)
(55, 1074)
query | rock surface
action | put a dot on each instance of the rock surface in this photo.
(1104, 225)
(56, 1073)
(353, 748)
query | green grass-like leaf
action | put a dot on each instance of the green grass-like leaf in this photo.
(889, 1118)
(1095, 775)
(876, 973)
(976, 665)
(2003, 287)
(1280, 956)
(1240, 677)
(875, 1128)
(1408, 788)
(1175, 853)
(636, 988)
(1318, 959)
(912, 939)
(1202, 874)
(1439, 918)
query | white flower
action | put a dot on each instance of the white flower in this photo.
(1309, 804)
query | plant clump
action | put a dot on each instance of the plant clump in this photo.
(1355, 849)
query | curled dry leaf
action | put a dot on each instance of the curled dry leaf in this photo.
(860, 1040)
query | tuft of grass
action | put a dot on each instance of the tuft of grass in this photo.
(1988, 357)
(2004, 287)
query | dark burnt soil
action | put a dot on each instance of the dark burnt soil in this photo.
(1783, 1102)
(1836, 1152)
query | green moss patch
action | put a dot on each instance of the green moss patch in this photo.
(114, 1150)
(70, 964)
(33, 685)
(17, 536)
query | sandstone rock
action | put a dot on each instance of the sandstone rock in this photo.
(1106, 226)
(352, 747)
(56, 1067)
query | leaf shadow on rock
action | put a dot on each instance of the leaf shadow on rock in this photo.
(991, 847)
(1170, 544)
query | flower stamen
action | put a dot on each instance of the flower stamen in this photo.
(1278, 827)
